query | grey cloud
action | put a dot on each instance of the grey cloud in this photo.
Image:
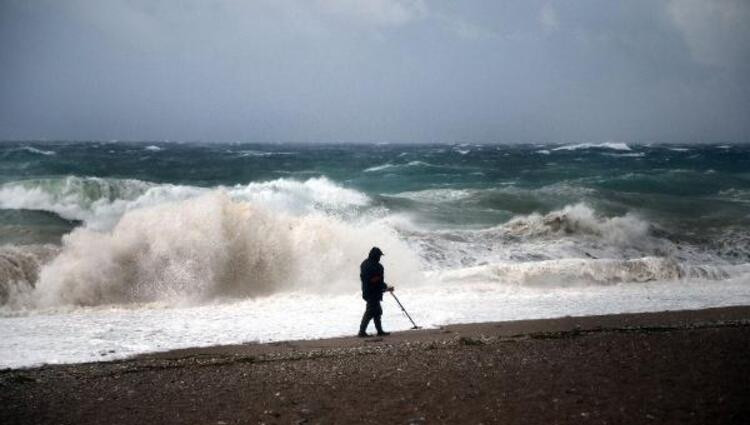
(396, 70)
(716, 31)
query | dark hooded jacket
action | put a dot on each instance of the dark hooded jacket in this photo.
(371, 275)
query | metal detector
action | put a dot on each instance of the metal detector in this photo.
(405, 312)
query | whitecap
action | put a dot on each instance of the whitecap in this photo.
(32, 149)
(606, 145)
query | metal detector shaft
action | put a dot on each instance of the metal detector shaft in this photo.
(404, 310)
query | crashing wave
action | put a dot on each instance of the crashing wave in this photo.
(100, 202)
(73, 198)
(575, 231)
(582, 220)
(211, 247)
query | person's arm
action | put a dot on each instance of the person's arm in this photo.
(384, 286)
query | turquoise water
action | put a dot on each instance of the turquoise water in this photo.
(690, 191)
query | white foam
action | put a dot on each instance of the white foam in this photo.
(106, 333)
(153, 148)
(435, 195)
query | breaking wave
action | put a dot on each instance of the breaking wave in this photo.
(85, 199)
(208, 247)
(580, 219)
(100, 202)
(576, 272)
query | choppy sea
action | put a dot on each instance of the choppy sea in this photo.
(109, 249)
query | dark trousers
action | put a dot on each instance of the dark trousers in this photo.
(373, 311)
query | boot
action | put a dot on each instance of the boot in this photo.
(363, 326)
(379, 327)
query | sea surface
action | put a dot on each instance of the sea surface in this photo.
(109, 249)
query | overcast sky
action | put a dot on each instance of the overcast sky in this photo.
(374, 71)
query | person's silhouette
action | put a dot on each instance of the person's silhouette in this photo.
(373, 286)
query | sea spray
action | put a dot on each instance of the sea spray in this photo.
(212, 246)
(19, 270)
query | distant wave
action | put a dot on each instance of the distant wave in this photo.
(390, 166)
(247, 153)
(607, 145)
(628, 155)
(379, 168)
(153, 148)
(32, 149)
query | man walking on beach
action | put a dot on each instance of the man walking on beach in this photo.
(373, 286)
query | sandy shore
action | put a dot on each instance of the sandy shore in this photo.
(670, 367)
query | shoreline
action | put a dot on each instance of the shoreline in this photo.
(685, 366)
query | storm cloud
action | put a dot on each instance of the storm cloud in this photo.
(373, 71)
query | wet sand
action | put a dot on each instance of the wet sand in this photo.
(670, 367)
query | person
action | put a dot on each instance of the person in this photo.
(373, 287)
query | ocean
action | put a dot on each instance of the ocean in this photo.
(110, 249)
